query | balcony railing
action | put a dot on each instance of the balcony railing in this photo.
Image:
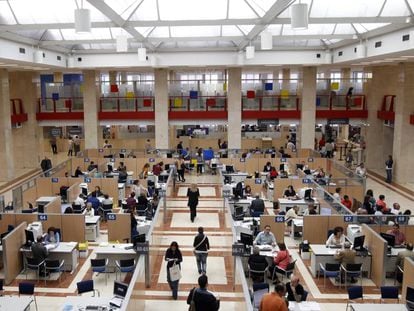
(201, 103)
(270, 103)
(62, 104)
(127, 104)
(340, 102)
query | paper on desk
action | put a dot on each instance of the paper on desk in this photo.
(309, 306)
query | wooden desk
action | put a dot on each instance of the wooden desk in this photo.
(19, 303)
(81, 302)
(378, 307)
(302, 204)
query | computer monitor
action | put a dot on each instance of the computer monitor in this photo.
(246, 239)
(41, 209)
(229, 169)
(359, 242)
(308, 194)
(110, 168)
(307, 172)
(120, 289)
(140, 238)
(389, 238)
(29, 237)
(84, 191)
(299, 166)
(167, 167)
(282, 167)
(162, 179)
(409, 298)
(238, 211)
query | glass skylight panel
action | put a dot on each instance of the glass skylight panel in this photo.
(231, 31)
(96, 33)
(33, 34)
(147, 11)
(246, 28)
(348, 8)
(261, 6)
(395, 8)
(239, 9)
(344, 29)
(195, 31)
(275, 29)
(6, 16)
(192, 9)
(43, 11)
(123, 7)
(116, 31)
(160, 32)
(313, 29)
(144, 30)
(367, 27)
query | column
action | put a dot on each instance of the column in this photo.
(403, 147)
(112, 77)
(346, 79)
(161, 108)
(28, 140)
(286, 79)
(234, 102)
(379, 138)
(58, 77)
(6, 140)
(91, 106)
(308, 110)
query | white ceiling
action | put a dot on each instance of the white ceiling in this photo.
(194, 25)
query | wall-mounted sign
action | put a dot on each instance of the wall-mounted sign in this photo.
(42, 217)
(55, 180)
(338, 121)
(111, 217)
(258, 181)
(280, 219)
(238, 249)
(87, 180)
(142, 248)
(348, 218)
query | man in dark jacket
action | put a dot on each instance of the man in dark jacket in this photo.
(257, 205)
(204, 300)
(39, 252)
(46, 165)
(257, 262)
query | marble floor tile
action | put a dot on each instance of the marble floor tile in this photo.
(204, 191)
(210, 220)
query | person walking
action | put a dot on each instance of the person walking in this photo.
(200, 161)
(53, 144)
(174, 258)
(201, 298)
(193, 193)
(46, 165)
(70, 146)
(181, 170)
(201, 247)
(388, 168)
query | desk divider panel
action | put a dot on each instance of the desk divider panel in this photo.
(73, 192)
(315, 229)
(337, 221)
(409, 233)
(120, 228)
(54, 206)
(408, 279)
(6, 220)
(73, 227)
(256, 188)
(378, 248)
(30, 195)
(78, 162)
(277, 228)
(44, 187)
(109, 186)
(28, 218)
(62, 181)
(12, 258)
(53, 220)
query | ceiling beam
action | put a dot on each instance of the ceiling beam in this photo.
(119, 21)
(20, 39)
(275, 10)
(213, 22)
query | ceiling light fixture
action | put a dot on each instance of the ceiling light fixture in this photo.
(38, 56)
(361, 50)
(82, 20)
(266, 40)
(249, 52)
(70, 62)
(142, 54)
(299, 16)
(121, 44)
(409, 19)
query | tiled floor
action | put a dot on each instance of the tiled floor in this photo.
(204, 191)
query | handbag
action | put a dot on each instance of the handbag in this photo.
(192, 302)
(175, 273)
(198, 245)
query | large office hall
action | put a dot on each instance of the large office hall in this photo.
(204, 155)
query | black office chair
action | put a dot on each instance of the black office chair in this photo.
(34, 264)
(389, 292)
(26, 288)
(285, 272)
(257, 272)
(1, 287)
(354, 292)
(86, 286)
(105, 209)
(352, 270)
(54, 266)
(99, 266)
(125, 265)
(141, 209)
(77, 209)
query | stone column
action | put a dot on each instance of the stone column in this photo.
(379, 138)
(286, 79)
(403, 147)
(7, 171)
(346, 82)
(308, 109)
(234, 109)
(161, 108)
(91, 107)
(28, 140)
(112, 77)
(58, 77)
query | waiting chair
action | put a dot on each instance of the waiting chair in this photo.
(389, 292)
(330, 270)
(259, 289)
(105, 209)
(352, 270)
(354, 292)
(85, 287)
(54, 266)
(141, 209)
(99, 266)
(77, 209)
(26, 288)
(259, 270)
(125, 265)
(33, 264)
(285, 272)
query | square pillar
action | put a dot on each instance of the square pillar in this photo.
(234, 108)
(91, 108)
(308, 109)
(161, 108)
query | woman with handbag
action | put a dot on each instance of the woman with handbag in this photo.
(174, 258)
(201, 247)
(193, 193)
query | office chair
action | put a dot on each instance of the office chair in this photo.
(389, 292)
(305, 295)
(258, 270)
(352, 270)
(33, 264)
(259, 289)
(85, 287)
(285, 272)
(330, 270)
(54, 266)
(99, 266)
(125, 265)
(77, 209)
(399, 275)
(141, 209)
(26, 288)
(105, 209)
(1, 287)
(354, 292)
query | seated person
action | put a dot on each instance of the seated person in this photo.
(408, 252)
(360, 170)
(346, 256)
(265, 237)
(107, 200)
(122, 166)
(273, 173)
(80, 200)
(122, 176)
(78, 172)
(347, 202)
(131, 202)
(267, 167)
(248, 190)
(294, 289)
(337, 238)
(283, 174)
(144, 172)
(89, 212)
(98, 192)
(92, 166)
(142, 199)
(94, 201)
(281, 261)
(137, 187)
(53, 237)
(257, 262)
(310, 210)
(292, 213)
(158, 168)
(257, 205)
(39, 252)
(289, 192)
(68, 210)
(239, 190)
(399, 236)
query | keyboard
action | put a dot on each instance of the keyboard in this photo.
(129, 247)
(90, 307)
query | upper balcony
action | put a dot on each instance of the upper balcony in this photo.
(126, 108)
(197, 107)
(18, 114)
(270, 106)
(341, 106)
(387, 108)
(60, 108)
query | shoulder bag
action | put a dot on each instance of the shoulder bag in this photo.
(199, 244)
(192, 302)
